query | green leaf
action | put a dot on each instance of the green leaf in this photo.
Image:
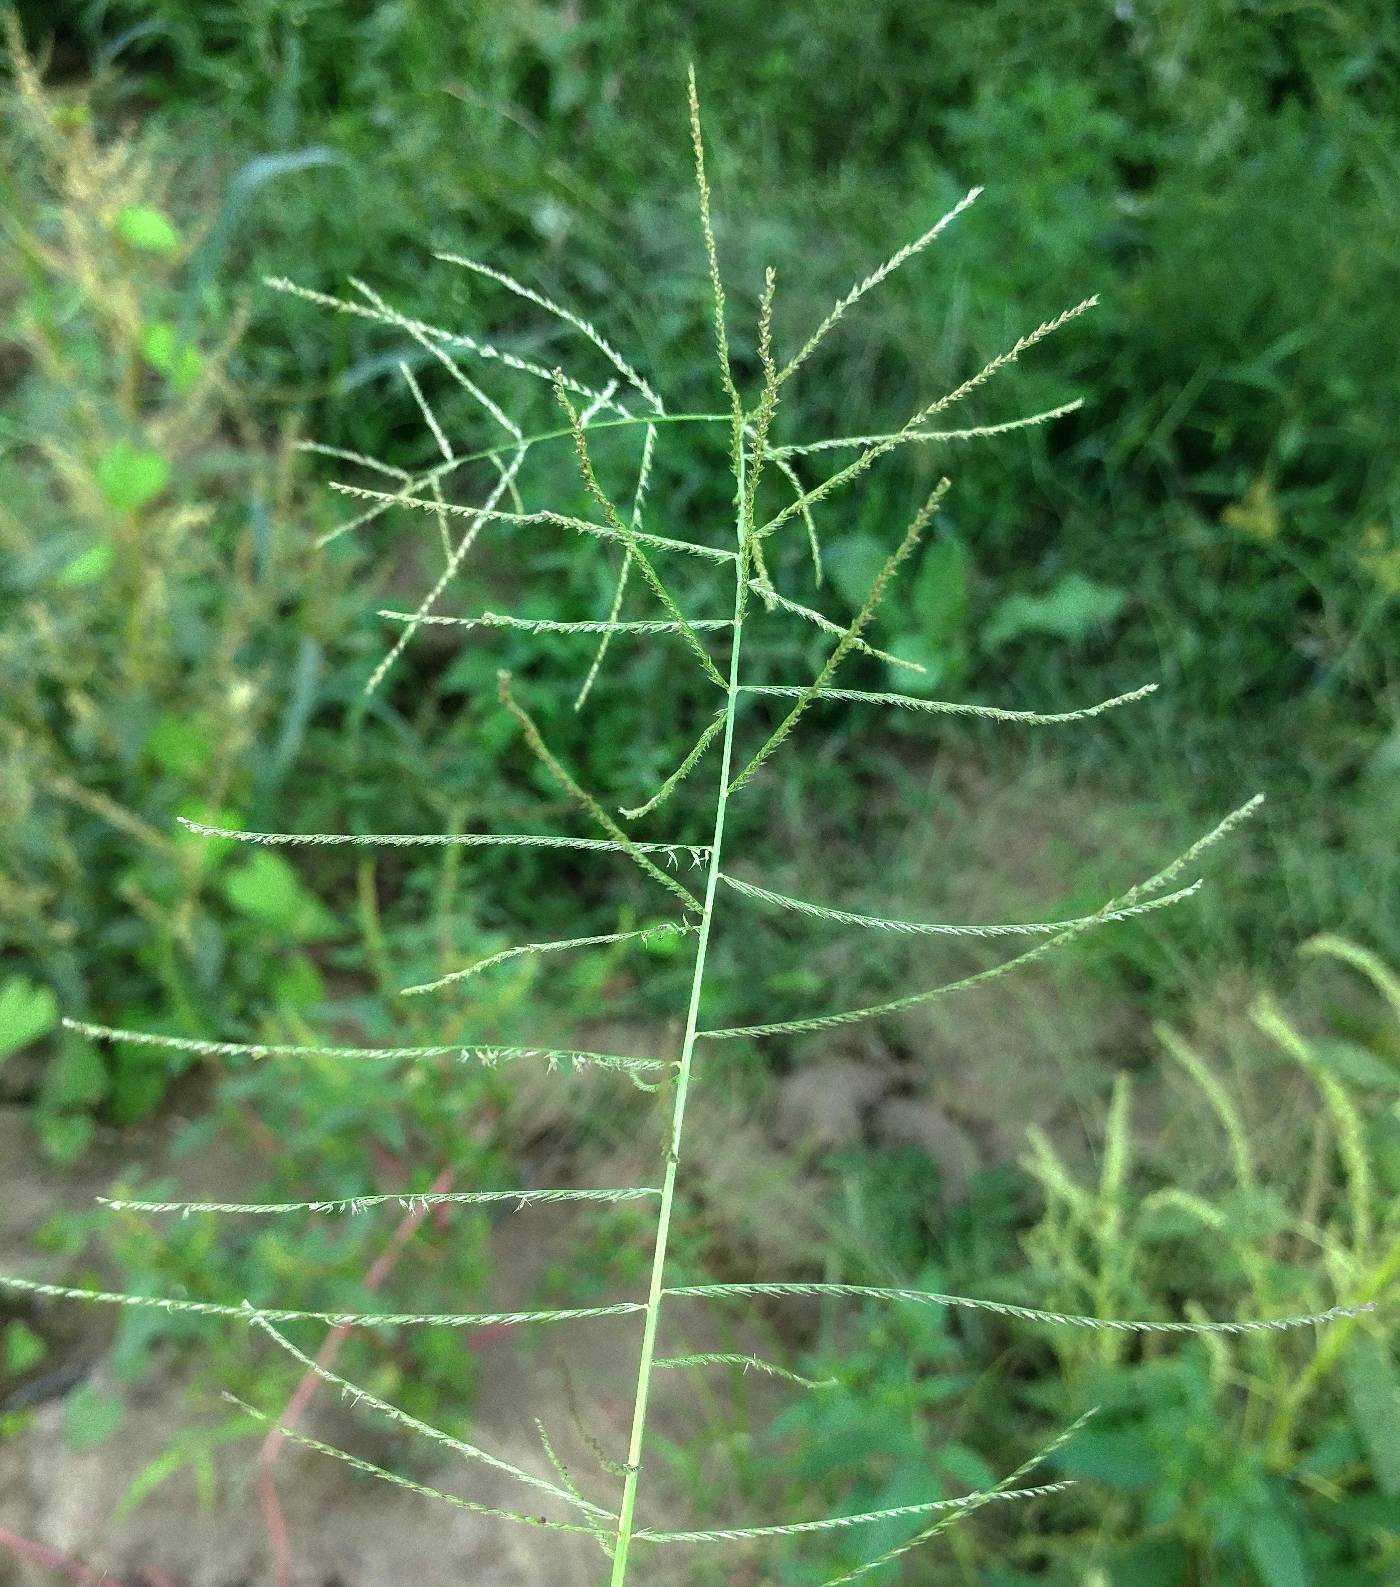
(1373, 1393)
(147, 228)
(87, 567)
(966, 1466)
(65, 1136)
(78, 1078)
(1155, 1562)
(852, 565)
(945, 665)
(91, 1417)
(130, 476)
(265, 888)
(163, 350)
(209, 850)
(940, 591)
(1337, 1449)
(27, 1011)
(1120, 1460)
(1359, 1065)
(23, 1349)
(187, 1449)
(665, 945)
(140, 1079)
(1071, 610)
(1385, 1149)
(1272, 1542)
(297, 984)
(180, 744)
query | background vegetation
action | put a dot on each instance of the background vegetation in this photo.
(1221, 516)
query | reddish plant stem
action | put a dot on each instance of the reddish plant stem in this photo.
(40, 1554)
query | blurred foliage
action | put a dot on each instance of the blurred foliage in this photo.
(161, 634)
(1222, 174)
(1277, 1455)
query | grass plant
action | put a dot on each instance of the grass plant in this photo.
(730, 581)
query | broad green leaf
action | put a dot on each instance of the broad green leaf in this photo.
(940, 591)
(27, 1011)
(1256, 513)
(91, 1417)
(209, 850)
(77, 1078)
(1337, 1449)
(1373, 1393)
(1156, 1562)
(147, 228)
(666, 945)
(87, 567)
(65, 1136)
(297, 984)
(187, 1449)
(1364, 1512)
(131, 476)
(166, 1464)
(852, 565)
(140, 1078)
(1359, 1065)
(1072, 610)
(23, 1349)
(966, 1466)
(265, 888)
(180, 744)
(937, 660)
(163, 350)
(1118, 1459)
(1385, 1149)
(1272, 1542)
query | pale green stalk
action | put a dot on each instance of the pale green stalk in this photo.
(627, 1511)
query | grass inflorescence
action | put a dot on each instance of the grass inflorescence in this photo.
(736, 570)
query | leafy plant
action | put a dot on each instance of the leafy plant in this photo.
(1276, 1457)
(142, 674)
(699, 879)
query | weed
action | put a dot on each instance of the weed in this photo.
(143, 674)
(1273, 1455)
(689, 875)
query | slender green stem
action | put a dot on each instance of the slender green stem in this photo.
(626, 1524)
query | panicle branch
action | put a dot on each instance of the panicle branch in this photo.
(630, 537)
(848, 639)
(485, 1054)
(876, 276)
(1024, 1313)
(407, 1200)
(645, 934)
(914, 702)
(536, 840)
(385, 1475)
(394, 1413)
(711, 732)
(888, 444)
(556, 769)
(176, 1305)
